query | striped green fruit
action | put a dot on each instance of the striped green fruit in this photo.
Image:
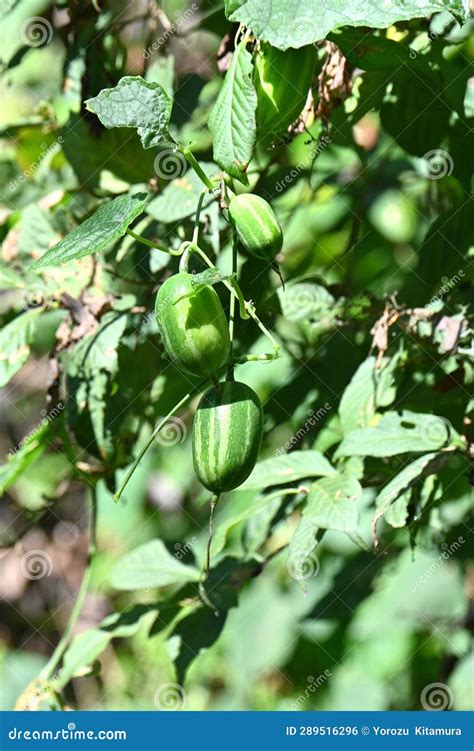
(282, 80)
(193, 325)
(256, 225)
(227, 432)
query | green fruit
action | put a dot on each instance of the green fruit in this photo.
(227, 432)
(256, 225)
(193, 325)
(282, 80)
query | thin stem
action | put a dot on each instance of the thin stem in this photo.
(214, 501)
(232, 298)
(55, 658)
(249, 308)
(142, 453)
(150, 244)
(194, 164)
(197, 217)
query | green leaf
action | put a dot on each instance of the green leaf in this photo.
(179, 199)
(15, 340)
(98, 232)
(398, 434)
(404, 480)
(90, 366)
(370, 50)
(150, 566)
(30, 449)
(369, 388)
(232, 119)
(87, 646)
(293, 23)
(287, 468)
(333, 503)
(135, 103)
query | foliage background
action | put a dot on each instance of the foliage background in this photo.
(374, 199)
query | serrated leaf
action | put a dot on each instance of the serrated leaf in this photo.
(232, 119)
(135, 103)
(150, 566)
(398, 434)
(333, 503)
(288, 468)
(15, 339)
(97, 233)
(179, 199)
(293, 23)
(398, 485)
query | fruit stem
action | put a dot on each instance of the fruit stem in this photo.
(194, 164)
(247, 306)
(197, 217)
(55, 658)
(150, 244)
(214, 500)
(232, 300)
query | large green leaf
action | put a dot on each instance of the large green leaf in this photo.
(87, 646)
(369, 388)
(98, 232)
(15, 340)
(150, 566)
(333, 503)
(287, 468)
(135, 103)
(398, 434)
(293, 23)
(403, 481)
(232, 119)
(90, 366)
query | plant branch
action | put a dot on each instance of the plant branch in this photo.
(150, 244)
